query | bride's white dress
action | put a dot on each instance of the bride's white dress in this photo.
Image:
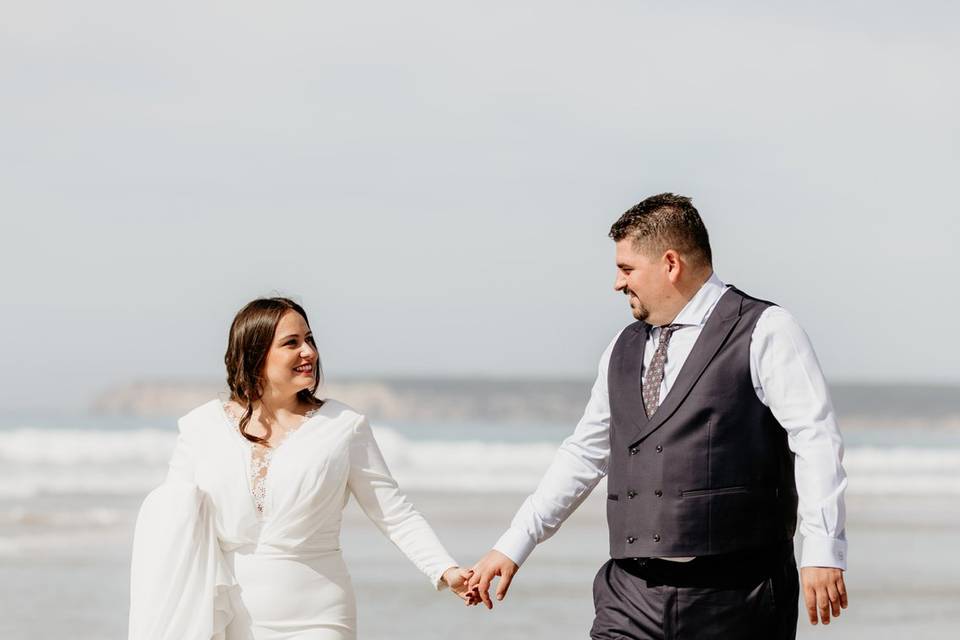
(235, 546)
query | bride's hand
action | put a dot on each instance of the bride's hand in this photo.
(457, 579)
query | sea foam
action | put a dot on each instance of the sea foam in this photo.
(131, 462)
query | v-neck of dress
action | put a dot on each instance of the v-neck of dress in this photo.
(257, 467)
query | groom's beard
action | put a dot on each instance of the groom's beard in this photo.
(639, 311)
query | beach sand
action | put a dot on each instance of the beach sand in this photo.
(903, 578)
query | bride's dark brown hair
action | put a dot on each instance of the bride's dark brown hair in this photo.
(251, 335)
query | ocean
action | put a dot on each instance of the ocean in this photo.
(73, 484)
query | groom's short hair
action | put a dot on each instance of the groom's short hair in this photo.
(665, 221)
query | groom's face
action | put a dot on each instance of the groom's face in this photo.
(641, 278)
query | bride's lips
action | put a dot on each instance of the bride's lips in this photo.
(304, 369)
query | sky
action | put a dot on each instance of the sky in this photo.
(435, 180)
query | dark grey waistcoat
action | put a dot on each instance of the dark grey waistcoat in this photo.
(710, 472)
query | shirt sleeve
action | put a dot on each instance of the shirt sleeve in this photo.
(787, 378)
(579, 464)
(380, 498)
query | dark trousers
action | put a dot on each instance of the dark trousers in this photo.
(738, 596)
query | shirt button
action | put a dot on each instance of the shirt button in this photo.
(631, 539)
(631, 493)
(656, 537)
(659, 449)
(657, 493)
(634, 451)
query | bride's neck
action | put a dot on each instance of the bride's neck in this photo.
(273, 406)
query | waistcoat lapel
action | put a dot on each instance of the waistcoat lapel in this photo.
(721, 322)
(626, 364)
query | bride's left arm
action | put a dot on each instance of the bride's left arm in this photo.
(385, 504)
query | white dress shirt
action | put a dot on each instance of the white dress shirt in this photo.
(787, 378)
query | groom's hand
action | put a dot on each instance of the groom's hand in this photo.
(492, 564)
(824, 592)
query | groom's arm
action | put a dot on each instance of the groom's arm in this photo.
(579, 464)
(788, 379)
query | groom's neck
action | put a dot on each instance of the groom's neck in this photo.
(686, 288)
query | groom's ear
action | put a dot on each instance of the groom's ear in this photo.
(673, 264)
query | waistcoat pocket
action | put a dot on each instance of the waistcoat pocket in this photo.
(695, 493)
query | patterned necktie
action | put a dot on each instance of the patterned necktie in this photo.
(654, 375)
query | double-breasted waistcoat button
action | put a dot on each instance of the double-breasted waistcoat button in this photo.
(659, 449)
(658, 493)
(631, 539)
(634, 451)
(656, 537)
(631, 493)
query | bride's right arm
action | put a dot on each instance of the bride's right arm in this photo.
(181, 462)
(180, 584)
(380, 498)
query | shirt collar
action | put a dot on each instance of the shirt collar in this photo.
(701, 305)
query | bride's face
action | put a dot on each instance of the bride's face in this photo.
(292, 359)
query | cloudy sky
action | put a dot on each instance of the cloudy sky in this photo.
(434, 180)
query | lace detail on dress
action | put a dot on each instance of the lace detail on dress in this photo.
(260, 456)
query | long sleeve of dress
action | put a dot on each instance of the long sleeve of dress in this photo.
(180, 586)
(380, 498)
(181, 465)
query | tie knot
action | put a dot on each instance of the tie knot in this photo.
(667, 330)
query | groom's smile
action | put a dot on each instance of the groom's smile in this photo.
(634, 270)
(640, 312)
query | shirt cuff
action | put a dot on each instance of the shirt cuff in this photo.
(516, 545)
(824, 552)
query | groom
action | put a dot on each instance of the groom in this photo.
(711, 419)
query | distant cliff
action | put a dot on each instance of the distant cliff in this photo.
(526, 401)
(407, 399)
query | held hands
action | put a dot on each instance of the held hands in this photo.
(823, 587)
(492, 564)
(824, 592)
(456, 578)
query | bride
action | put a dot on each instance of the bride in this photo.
(242, 540)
